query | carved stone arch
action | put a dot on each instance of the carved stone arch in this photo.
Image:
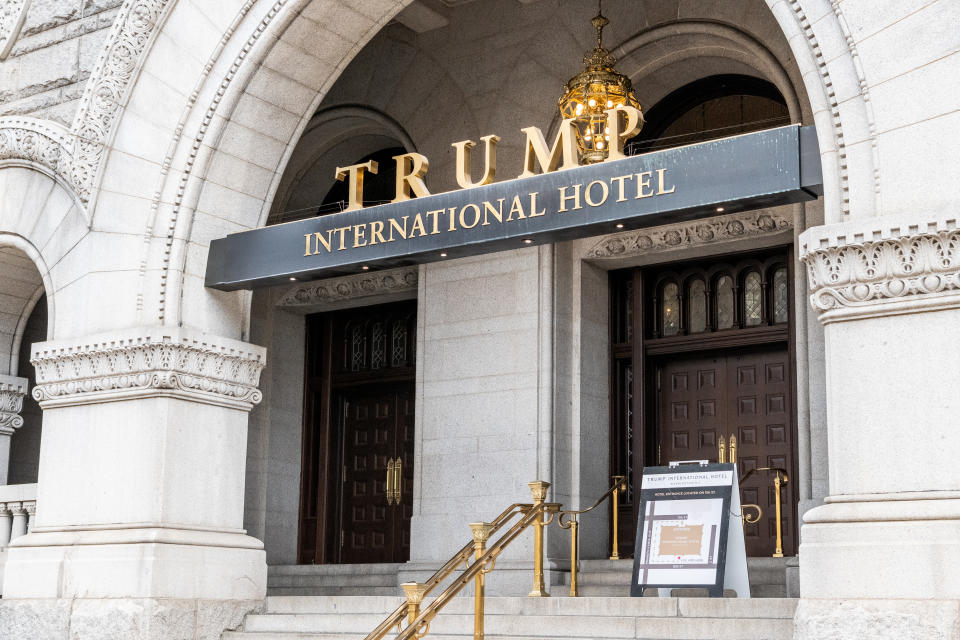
(222, 159)
(330, 128)
(698, 39)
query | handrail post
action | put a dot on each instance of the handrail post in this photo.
(481, 533)
(538, 489)
(414, 592)
(574, 552)
(776, 491)
(619, 482)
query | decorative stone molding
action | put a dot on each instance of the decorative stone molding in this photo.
(324, 292)
(150, 362)
(12, 391)
(12, 15)
(107, 88)
(682, 235)
(43, 142)
(855, 265)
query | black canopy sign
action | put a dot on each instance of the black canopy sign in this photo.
(754, 170)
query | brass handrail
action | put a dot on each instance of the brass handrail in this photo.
(462, 556)
(421, 624)
(619, 484)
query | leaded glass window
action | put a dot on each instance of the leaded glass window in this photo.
(781, 308)
(378, 354)
(752, 300)
(725, 302)
(670, 314)
(698, 306)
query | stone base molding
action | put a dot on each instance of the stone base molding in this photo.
(148, 362)
(882, 266)
(129, 618)
(859, 619)
(12, 391)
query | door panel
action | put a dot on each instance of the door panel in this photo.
(746, 394)
(377, 428)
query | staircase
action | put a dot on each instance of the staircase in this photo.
(521, 618)
(612, 578)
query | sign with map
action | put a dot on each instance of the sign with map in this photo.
(689, 531)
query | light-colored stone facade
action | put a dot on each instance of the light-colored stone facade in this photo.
(135, 132)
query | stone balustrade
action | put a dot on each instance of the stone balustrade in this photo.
(18, 504)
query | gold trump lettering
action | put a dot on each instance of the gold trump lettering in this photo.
(623, 122)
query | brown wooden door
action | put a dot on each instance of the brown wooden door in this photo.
(358, 415)
(745, 394)
(378, 428)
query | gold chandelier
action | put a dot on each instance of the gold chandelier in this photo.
(592, 92)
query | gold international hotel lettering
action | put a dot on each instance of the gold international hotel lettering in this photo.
(623, 122)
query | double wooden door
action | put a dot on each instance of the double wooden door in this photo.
(744, 394)
(356, 491)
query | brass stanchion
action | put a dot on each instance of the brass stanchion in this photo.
(776, 489)
(481, 533)
(619, 482)
(414, 592)
(538, 489)
(574, 539)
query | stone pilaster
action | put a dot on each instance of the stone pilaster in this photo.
(12, 391)
(888, 293)
(141, 485)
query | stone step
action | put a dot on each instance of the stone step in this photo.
(330, 580)
(519, 618)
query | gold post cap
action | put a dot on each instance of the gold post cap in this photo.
(414, 591)
(481, 531)
(538, 488)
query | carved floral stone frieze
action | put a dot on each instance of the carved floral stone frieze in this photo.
(694, 233)
(12, 391)
(43, 142)
(322, 292)
(148, 363)
(105, 92)
(858, 265)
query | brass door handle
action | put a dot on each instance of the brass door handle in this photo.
(722, 449)
(398, 481)
(391, 468)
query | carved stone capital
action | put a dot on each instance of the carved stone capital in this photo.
(682, 235)
(12, 391)
(327, 293)
(861, 268)
(148, 362)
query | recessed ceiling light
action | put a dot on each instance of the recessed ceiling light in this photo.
(719, 209)
(619, 226)
(443, 255)
(365, 267)
(292, 279)
(527, 241)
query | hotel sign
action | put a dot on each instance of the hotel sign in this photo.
(750, 171)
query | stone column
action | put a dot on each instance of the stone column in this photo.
(882, 552)
(141, 486)
(12, 390)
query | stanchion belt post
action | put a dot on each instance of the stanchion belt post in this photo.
(481, 533)
(538, 490)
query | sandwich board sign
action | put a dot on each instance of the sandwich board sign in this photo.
(690, 533)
